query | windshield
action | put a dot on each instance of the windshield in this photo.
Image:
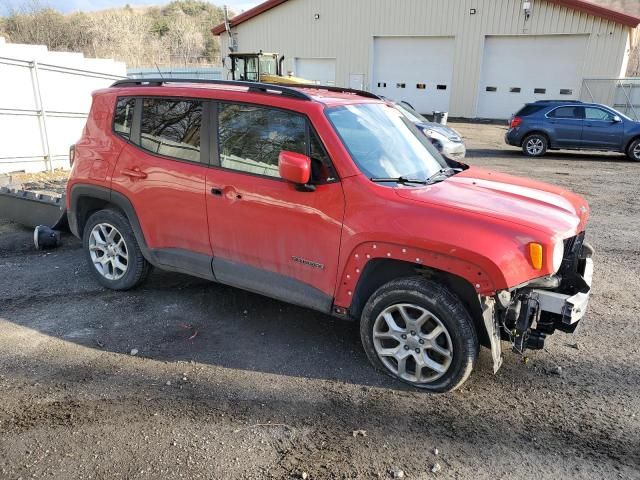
(383, 143)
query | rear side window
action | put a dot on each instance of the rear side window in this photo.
(171, 128)
(567, 112)
(123, 117)
(529, 110)
(252, 137)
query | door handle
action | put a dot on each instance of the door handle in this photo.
(216, 191)
(133, 173)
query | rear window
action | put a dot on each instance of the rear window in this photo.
(529, 110)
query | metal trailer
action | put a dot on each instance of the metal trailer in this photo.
(33, 209)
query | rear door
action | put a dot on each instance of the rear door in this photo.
(600, 131)
(162, 171)
(565, 125)
(267, 235)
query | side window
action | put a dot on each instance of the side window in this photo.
(123, 117)
(575, 113)
(171, 127)
(598, 114)
(252, 137)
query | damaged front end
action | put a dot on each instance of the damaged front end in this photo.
(527, 314)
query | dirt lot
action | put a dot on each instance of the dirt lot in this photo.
(227, 384)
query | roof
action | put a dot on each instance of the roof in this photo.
(580, 5)
(329, 96)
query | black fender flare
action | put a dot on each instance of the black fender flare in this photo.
(80, 191)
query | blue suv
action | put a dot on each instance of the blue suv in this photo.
(552, 125)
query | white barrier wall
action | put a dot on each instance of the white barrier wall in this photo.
(44, 101)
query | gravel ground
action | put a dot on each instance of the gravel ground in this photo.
(228, 384)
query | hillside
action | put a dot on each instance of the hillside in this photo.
(176, 34)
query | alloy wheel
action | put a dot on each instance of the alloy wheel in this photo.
(636, 152)
(535, 146)
(108, 251)
(412, 343)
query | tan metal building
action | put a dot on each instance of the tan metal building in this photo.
(473, 58)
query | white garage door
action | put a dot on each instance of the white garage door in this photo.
(418, 70)
(521, 69)
(321, 71)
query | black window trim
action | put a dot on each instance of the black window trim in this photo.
(215, 160)
(210, 146)
(134, 137)
(564, 118)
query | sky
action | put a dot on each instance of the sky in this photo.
(66, 6)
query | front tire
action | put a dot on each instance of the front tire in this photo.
(113, 254)
(535, 145)
(415, 330)
(633, 152)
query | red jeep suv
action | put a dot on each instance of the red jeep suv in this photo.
(331, 199)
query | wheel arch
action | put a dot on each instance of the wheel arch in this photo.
(379, 271)
(86, 199)
(630, 142)
(537, 131)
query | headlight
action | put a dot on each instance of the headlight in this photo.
(558, 255)
(431, 133)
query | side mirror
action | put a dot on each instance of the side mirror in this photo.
(294, 167)
(617, 119)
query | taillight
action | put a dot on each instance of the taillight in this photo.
(516, 122)
(72, 155)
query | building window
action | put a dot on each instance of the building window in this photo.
(515, 90)
(421, 86)
(566, 91)
(252, 137)
(441, 87)
(400, 85)
(540, 91)
(492, 89)
(382, 85)
(123, 116)
(171, 128)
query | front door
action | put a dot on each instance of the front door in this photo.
(600, 131)
(162, 171)
(566, 124)
(268, 236)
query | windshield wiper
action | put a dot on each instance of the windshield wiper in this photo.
(402, 180)
(446, 172)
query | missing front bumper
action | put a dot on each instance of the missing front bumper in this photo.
(570, 308)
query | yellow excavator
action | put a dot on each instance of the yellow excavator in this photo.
(261, 67)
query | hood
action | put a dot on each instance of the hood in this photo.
(441, 129)
(536, 205)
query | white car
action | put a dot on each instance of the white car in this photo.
(448, 142)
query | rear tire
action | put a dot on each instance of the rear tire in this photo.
(113, 254)
(417, 331)
(535, 145)
(633, 152)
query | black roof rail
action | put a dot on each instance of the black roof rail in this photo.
(329, 88)
(256, 87)
(558, 101)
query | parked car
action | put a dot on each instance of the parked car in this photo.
(572, 125)
(448, 142)
(331, 200)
